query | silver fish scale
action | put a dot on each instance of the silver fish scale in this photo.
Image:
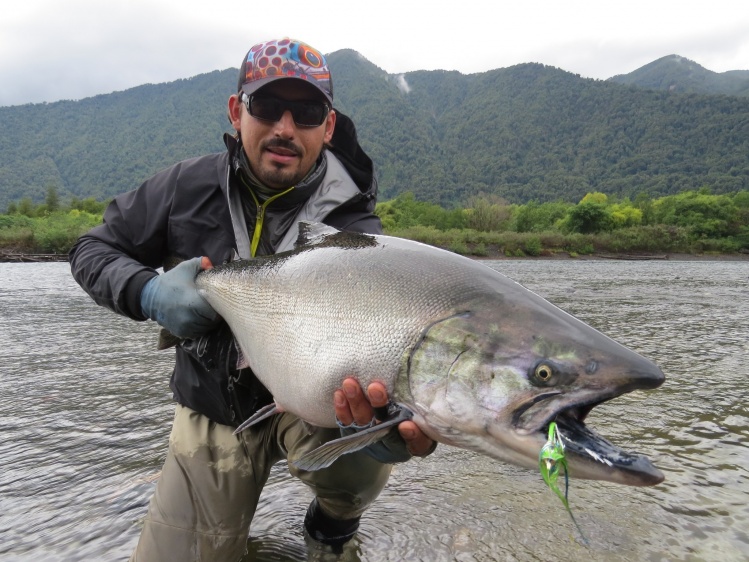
(308, 319)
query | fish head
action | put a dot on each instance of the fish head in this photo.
(492, 378)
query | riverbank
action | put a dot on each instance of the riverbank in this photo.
(20, 257)
(629, 257)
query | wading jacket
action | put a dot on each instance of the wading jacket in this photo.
(195, 208)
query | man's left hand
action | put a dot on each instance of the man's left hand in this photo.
(352, 405)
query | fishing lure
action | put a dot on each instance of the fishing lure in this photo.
(550, 460)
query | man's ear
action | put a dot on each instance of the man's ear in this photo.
(329, 126)
(235, 111)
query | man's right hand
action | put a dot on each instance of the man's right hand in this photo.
(172, 300)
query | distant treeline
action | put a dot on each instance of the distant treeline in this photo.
(693, 222)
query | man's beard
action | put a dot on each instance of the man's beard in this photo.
(278, 175)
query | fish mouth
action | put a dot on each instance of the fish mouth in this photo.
(536, 413)
(589, 455)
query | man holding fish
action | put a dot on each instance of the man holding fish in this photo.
(293, 158)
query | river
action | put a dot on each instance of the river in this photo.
(85, 413)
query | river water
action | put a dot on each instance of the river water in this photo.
(85, 413)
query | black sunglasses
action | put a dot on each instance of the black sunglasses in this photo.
(304, 113)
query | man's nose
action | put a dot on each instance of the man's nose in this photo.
(285, 126)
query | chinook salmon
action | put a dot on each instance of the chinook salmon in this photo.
(474, 358)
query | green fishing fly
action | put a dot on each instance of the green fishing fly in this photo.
(550, 461)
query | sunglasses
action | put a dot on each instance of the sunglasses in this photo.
(304, 113)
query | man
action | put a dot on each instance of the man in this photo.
(293, 158)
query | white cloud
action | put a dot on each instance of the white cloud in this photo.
(402, 84)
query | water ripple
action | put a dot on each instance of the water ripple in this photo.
(85, 412)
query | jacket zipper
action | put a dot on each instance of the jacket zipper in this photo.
(260, 218)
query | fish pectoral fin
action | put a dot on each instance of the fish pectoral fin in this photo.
(260, 415)
(326, 454)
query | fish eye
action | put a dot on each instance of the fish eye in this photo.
(549, 373)
(544, 372)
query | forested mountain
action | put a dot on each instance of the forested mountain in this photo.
(525, 132)
(679, 75)
(100, 146)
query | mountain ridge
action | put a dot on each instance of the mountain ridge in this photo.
(679, 74)
(525, 132)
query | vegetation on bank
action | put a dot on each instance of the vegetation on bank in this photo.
(47, 228)
(691, 222)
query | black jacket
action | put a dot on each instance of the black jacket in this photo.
(180, 213)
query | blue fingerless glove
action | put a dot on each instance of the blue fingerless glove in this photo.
(172, 300)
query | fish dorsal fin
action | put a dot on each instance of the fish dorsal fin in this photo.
(313, 233)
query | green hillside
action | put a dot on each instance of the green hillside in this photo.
(528, 132)
(680, 75)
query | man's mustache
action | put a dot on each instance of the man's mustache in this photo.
(283, 143)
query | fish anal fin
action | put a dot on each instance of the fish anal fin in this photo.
(263, 413)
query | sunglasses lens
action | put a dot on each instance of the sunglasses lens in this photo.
(309, 114)
(266, 109)
(304, 113)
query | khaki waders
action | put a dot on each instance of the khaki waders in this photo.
(211, 482)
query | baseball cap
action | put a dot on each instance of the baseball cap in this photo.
(284, 58)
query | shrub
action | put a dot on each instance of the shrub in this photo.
(532, 246)
(480, 250)
(459, 247)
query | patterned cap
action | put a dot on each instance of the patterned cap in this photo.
(284, 58)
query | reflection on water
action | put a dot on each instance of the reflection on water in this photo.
(85, 412)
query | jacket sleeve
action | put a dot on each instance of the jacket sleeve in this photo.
(113, 261)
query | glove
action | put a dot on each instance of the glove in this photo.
(172, 300)
(390, 449)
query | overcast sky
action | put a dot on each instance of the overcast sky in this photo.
(72, 49)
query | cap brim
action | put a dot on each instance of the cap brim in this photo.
(252, 87)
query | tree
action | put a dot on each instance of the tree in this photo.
(645, 204)
(52, 200)
(707, 215)
(488, 213)
(595, 197)
(741, 199)
(589, 218)
(535, 217)
(26, 207)
(624, 214)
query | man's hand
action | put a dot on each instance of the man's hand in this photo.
(352, 405)
(173, 301)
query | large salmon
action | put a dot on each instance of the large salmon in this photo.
(477, 360)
